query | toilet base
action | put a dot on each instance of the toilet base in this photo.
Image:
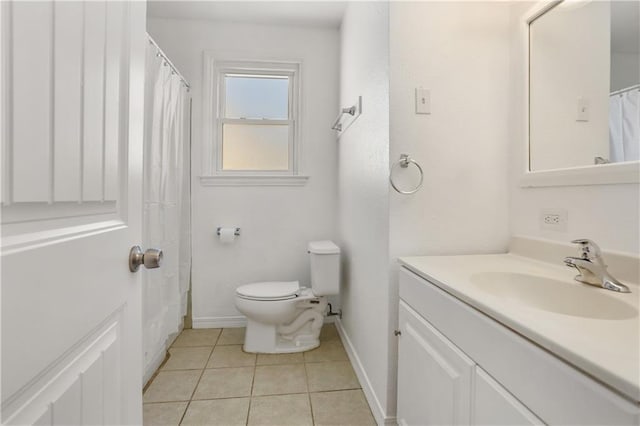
(264, 338)
(301, 333)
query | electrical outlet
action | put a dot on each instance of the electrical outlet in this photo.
(553, 219)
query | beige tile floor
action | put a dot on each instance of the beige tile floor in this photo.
(209, 380)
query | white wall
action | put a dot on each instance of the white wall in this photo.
(625, 70)
(459, 51)
(607, 214)
(570, 59)
(364, 197)
(625, 44)
(276, 222)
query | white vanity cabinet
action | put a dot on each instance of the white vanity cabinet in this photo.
(457, 366)
(439, 385)
(494, 405)
(434, 377)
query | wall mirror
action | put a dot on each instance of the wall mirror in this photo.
(584, 92)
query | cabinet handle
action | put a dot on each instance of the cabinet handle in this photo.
(397, 332)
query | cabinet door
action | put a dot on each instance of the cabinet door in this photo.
(434, 376)
(494, 405)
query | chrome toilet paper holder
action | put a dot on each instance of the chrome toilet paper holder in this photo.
(236, 233)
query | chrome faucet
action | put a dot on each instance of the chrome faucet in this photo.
(592, 269)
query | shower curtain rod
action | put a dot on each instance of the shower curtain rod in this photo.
(168, 62)
(626, 89)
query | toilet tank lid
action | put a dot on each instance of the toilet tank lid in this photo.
(323, 247)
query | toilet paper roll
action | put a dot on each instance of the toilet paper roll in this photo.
(227, 235)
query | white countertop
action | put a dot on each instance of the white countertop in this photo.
(608, 350)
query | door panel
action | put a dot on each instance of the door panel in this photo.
(94, 66)
(72, 93)
(68, 73)
(64, 115)
(434, 377)
(494, 405)
(31, 121)
(74, 387)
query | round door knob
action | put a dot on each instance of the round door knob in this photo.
(152, 258)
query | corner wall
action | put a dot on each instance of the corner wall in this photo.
(363, 204)
(276, 222)
(460, 51)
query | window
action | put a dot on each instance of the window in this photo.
(254, 121)
(256, 125)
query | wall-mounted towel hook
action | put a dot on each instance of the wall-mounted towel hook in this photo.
(337, 125)
(354, 111)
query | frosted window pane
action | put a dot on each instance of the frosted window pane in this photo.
(257, 97)
(255, 147)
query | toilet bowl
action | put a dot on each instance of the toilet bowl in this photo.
(284, 317)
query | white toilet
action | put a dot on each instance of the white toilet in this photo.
(284, 317)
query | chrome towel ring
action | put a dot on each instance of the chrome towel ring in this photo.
(404, 162)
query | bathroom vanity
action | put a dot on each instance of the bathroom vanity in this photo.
(507, 339)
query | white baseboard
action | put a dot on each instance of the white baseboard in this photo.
(220, 322)
(330, 320)
(376, 408)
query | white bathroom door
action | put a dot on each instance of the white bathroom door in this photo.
(72, 125)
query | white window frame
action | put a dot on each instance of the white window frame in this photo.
(214, 118)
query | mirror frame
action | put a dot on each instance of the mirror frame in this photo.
(602, 174)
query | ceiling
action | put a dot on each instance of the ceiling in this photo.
(625, 15)
(299, 13)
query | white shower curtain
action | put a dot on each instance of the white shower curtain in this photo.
(624, 126)
(166, 206)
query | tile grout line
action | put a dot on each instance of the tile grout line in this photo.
(253, 380)
(246, 422)
(192, 394)
(213, 348)
(313, 420)
(192, 346)
(257, 396)
(184, 413)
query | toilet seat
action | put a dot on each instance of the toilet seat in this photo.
(273, 290)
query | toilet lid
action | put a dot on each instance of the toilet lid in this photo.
(274, 290)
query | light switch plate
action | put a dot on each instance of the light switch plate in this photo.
(423, 101)
(582, 109)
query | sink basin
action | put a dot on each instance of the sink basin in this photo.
(555, 296)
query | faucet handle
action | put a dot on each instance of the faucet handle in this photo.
(588, 248)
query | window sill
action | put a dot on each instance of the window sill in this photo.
(265, 180)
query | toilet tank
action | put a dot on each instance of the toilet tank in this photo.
(325, 268)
